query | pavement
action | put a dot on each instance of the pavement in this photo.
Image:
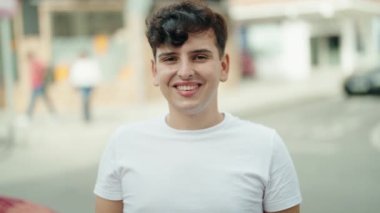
(49, 147)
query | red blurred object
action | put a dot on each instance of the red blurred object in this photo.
(248, 68)
(8, 8)
(14, 205)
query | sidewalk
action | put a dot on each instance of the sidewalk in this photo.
(47, 148)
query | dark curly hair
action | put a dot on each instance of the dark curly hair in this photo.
(173, 23)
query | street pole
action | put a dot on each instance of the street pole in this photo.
(135, 12)
(8, 75)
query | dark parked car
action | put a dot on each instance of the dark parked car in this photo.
(363, 83)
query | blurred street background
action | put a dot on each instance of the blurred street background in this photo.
(289, 63)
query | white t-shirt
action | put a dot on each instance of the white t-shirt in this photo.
(235, 166)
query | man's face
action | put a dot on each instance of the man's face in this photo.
(189, 75)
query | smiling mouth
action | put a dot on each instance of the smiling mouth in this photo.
(187, 87)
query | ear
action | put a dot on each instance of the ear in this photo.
(225, 63)
(154, 73)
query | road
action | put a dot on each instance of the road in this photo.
(335, 145)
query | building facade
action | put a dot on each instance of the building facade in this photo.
(290, 39)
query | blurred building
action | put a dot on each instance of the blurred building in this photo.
(112, 31)
(289, 39)
(58, 31)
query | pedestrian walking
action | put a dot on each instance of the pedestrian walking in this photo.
(85, 75)
(38, 74)
(194, 159)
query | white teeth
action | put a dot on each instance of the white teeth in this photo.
(186, 87)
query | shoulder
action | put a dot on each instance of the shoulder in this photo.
(254, 135)
(129, 131)
(251, 128)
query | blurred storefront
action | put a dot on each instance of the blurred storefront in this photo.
(58, 31)
(112, 31)
(290, 39)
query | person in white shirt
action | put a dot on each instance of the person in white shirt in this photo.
(194, 159)
(85, 75)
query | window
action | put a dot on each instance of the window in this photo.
(68, 24)
(30, 18)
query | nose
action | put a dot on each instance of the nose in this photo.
(185, 70)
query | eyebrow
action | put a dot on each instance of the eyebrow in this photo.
(164, 54)
(201, 51)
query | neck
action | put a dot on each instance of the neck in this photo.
(194, 121)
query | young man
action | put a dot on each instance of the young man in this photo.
(195, 159)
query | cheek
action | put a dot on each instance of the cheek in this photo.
(164, 75)
(212, 72)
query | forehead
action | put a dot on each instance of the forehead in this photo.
(204, 40)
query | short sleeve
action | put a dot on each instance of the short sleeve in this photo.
(282, 190)
(108, 183)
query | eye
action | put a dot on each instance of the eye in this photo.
(169, 59)
(200, 57)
